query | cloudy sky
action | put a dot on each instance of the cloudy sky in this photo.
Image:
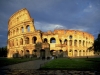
(81, 15)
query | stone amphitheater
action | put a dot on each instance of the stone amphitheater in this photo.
(25, 40)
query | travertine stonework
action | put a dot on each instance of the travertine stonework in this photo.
(25, 40)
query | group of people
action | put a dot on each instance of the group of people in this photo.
(48, 58)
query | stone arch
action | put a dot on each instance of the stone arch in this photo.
(13, 32)
(42, 53)
(75, 42)
(83, 42)
(28, 28)
(83, 52)
(70, 52)
(22, 29)
(45, 40)
(60, 41)
(27, 53)
(70, 37)
(65, 41)
(12, 42)
(75, 53)
(79, 42)
(80, 52)
(52, 40)
(34, 53)
(21, 41)
(16, 42)
(17, 30)
(21, 53)
(70, 42)
(27, 40)
(51, 52)
(34, 39)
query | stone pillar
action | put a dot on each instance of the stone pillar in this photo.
(73, 52)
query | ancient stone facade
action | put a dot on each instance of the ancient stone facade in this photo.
(25, 40)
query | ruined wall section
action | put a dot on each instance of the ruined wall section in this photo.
(20, 27)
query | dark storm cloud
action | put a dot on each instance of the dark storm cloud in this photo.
(52, 14)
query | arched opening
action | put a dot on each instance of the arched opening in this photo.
(52, 40)
(70, 42)
(51, 52)
(34, 39)
(75, 53)
(42, 53)
(83, 52)
(21, 53)
(70, 37)
(22, 29)
(12, 42)
(34, 53)
(21, 41)
(17, 30)
(83, 43)
(27, 40)
(16, 54)
(79, 52)
(60, 41)
(16, 42)
(79, 42)
(13, 32)
(70, 52)
(75, 42)
(65, 41)
(45, 40)
(27, 54)
(28, 28)
(61, 53)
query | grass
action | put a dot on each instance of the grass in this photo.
(10, 61)
(73, 64)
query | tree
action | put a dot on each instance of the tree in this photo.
(3, 51)
(97, 44)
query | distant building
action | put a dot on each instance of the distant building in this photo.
(25, 40)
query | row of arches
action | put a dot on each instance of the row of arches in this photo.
(19, 30)
(21, 41)
(65, 41)
(58, 53)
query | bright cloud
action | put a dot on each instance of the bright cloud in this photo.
(47, 26)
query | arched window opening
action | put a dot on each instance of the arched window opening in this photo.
(13, 32)
(60, 41)
(83, 43)
(22, 29)
(27, 40)
(52, 40)
(21, 41)
(75, 42)
(65, 41)
(70, 37)
(34, 39)
(79, 52)
(70, 50)
(12, 42)
(70, 42)
(28, 28)
(17, 30)
(45, 40)
(79, 42)
(75, 52)
(16, 42)
(27, 54)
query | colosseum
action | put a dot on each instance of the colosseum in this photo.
(25, 41)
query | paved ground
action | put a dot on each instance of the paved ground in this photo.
(31, 68)
(35, 64)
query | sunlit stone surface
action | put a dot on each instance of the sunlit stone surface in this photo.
(25, 41)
